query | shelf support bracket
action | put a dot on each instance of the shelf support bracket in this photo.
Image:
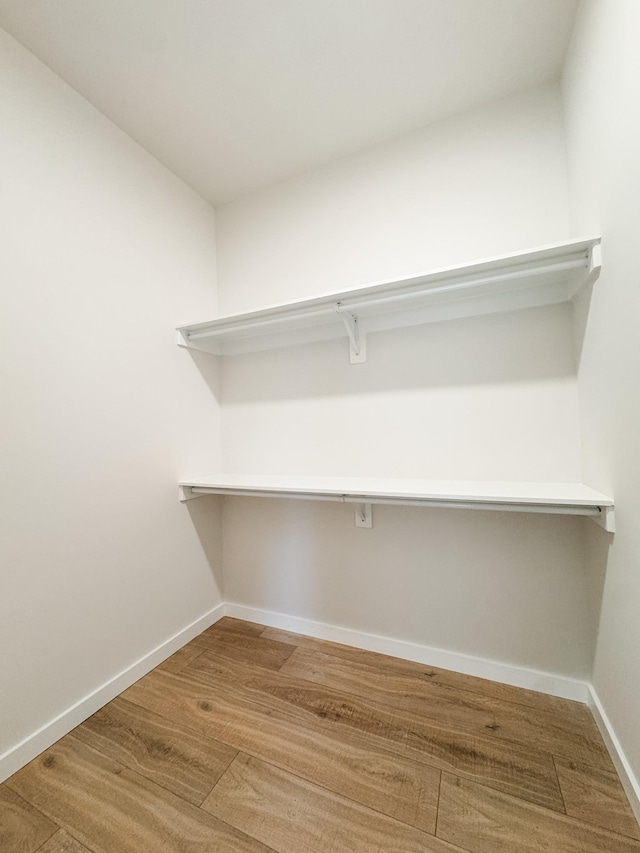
(606, 519)
(357, 341)
(364, 515)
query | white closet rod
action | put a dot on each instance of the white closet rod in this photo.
(268, 321)
(556, 509)
(562, 266)
(352, 303)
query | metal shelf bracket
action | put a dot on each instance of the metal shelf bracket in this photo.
(357, 341)
(364, 515)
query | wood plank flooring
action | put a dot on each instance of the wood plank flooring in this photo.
(254, 740)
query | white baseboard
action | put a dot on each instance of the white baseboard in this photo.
(627, 776)
(23, 752)
(544, 682)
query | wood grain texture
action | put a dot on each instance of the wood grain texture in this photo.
(23, 829)
(596, 797)
(508, 767)
(293, 816)
(480, 820)
(349, 766)
(228, 623)
(62, 842)
(434, 675)
(109, 808)
(186, 655)
(169, 754)
(249, 737)
(550, 731)
(244, 647)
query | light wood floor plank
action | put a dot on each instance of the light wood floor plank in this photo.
(172, 755)
(184, 656)
(508, 767)
(434, 675)
(111, 809)
(229, 623)
(349, 766)
(482, 820)
(23, 829)
(245, 647)
(249, 737)
(596, 797)
(293, 816)
(549, 731)
(62, 842)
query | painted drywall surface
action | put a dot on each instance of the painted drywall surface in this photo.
(434, 577)
(103, 252)
(602, 91)
(491, 397)
(489, 181)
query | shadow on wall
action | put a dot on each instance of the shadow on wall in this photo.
(209, 368)
(532, 345)
(596, 544)
(288, 570)
(510, 587)
(580, 319)
(206, 516)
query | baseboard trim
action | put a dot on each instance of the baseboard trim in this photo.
(628, 778)
(25, 751)
(544, 682)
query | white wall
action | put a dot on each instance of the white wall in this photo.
(485, 398)
(492, 397)
(103, 251)
(506, 587)
(485, 182)
(602, 93)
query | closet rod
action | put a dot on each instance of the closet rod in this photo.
(351, 302)
(499, 506)
(268, 321)
(563, 266)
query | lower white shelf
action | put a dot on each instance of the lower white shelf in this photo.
(554, 498)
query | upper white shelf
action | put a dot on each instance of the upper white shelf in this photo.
(555, 498)
(543, 276)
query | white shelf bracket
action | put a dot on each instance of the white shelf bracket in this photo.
(606, 519)
(357, 341)
(364, 515)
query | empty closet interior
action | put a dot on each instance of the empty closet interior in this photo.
(377, 389)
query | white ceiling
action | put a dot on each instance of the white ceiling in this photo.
(233, 95)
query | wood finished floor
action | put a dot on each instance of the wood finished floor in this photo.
(251, 740)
